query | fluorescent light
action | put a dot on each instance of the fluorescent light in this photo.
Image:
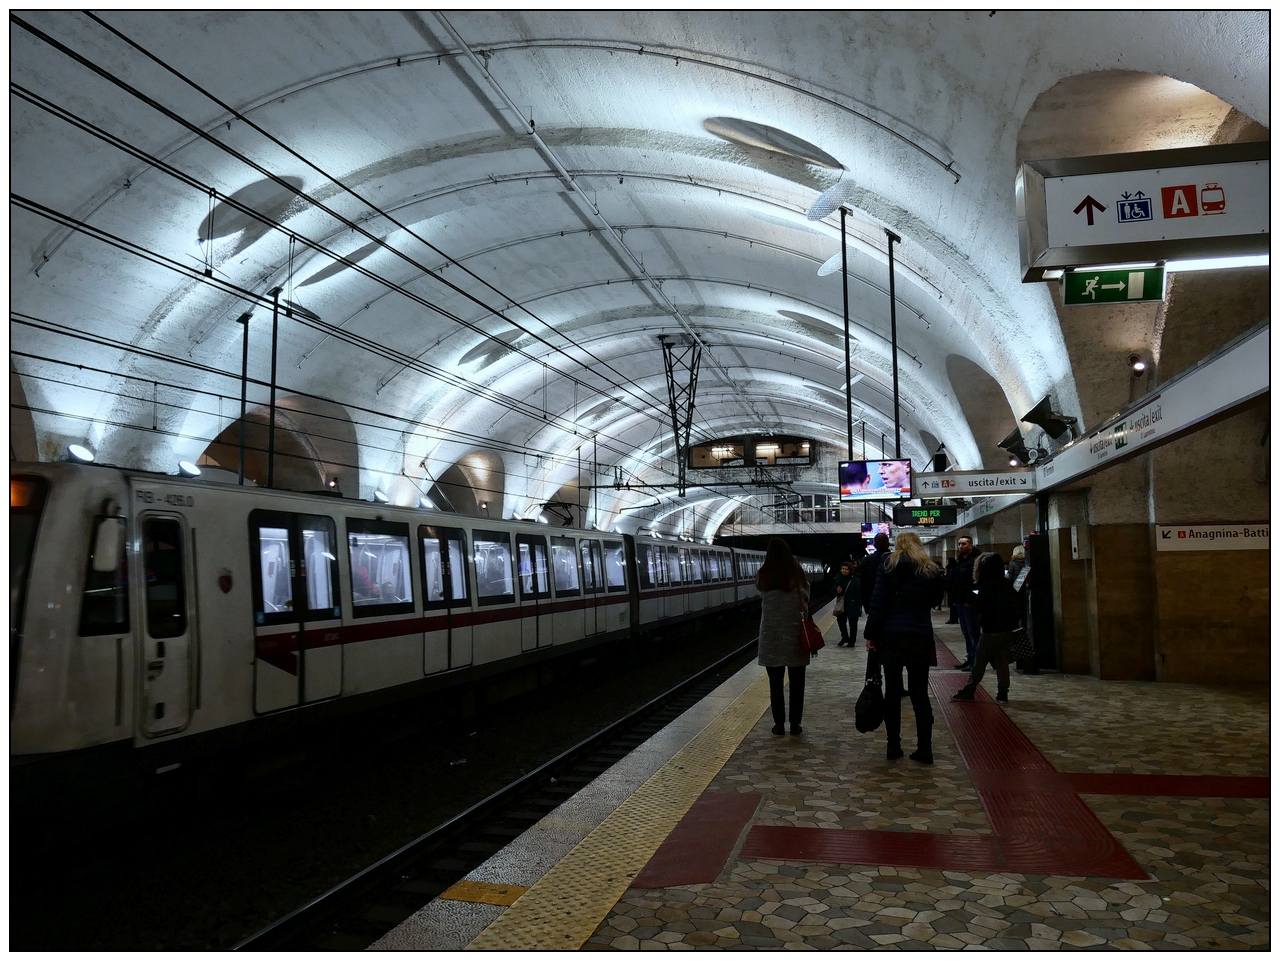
(1053, 274)
(82, 454)
(188, 468)
(1138, 266)
(1218, 263)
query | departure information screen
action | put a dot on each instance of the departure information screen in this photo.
(924, 516)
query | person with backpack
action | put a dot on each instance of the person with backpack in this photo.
(999, 612)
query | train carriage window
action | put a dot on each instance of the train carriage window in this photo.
(726, 566)
(381, 582)
(494, 583)
(592, 566)
(319, 547)
(166, 577)
(674, 574)
(695, 566)
(686, 567)
(645, 571)
(531, 559)
(661, 571)
(274, 565)
(104, 606)
(564, 566)
(444, 567)
(615, 566)
(713, 564)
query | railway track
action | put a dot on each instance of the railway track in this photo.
(357, 912)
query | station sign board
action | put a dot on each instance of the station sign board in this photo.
(924, 516)
(1083, 287)
(1213, 537)
(1151, 206)
(974, 483)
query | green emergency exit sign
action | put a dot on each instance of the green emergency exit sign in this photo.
(1123, 286)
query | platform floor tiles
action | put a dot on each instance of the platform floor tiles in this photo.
(1208, 858)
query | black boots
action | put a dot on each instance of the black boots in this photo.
(924, 741)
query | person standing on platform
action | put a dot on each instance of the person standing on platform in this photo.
(867, 571)
(962, 586)
(784, 601)
(951, 604)
(849, 602)
(900, 624)
(998, 610)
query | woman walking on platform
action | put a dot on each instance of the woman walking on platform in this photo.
(784, 600)
(899, 623)
(848, 603)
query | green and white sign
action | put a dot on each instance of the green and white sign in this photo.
(1112, 286)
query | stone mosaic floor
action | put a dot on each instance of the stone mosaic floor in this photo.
(1209, 857)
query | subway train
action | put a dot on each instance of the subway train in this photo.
(156, 617)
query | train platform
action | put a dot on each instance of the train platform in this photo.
(1081, 814)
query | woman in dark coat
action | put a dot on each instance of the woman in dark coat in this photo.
(784, 600)
(849, 598)
(900, 625)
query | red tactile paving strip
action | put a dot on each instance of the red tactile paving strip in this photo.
(1169, 785)
(698, 847)
(1041, 825)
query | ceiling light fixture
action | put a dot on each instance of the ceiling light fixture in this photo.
(1218, 263)
(188, 469)
(380, 496)
(1137, 365)
(80, 453)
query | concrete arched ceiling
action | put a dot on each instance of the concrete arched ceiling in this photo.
(506, 292)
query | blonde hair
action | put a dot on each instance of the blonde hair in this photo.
(977, 565)
(1019, 554)
(908, 544)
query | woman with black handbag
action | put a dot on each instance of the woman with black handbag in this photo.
(848, 603)
(900, 625)
(784, 602)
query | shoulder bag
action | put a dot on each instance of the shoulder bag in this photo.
(1022, 649)
(868, 712)
(810, 636)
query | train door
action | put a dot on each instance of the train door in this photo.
(447, 593)
(535, 592)
(593, 586)
(297, 617)
(168, 655)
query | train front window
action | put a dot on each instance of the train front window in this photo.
(166, 578)
(104, 606)
(615, 566)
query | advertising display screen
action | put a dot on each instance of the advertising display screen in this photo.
(873, 528)
(875, 480)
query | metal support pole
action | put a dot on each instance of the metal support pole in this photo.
(271, 422)
(244, 387)
(893, 335)
(848, 365)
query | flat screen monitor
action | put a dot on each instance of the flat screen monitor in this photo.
(868, 530)
(873, 528)
(875, 480)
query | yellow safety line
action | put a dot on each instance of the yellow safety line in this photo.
(566, 906)
(482, 892)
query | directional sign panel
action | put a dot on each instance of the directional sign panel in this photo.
(1159, 205)
(973, 483)
(1112, 286)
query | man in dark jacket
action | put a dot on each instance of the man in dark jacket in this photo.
(961, 586)
(999, 611)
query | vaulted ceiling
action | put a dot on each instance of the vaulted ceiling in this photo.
(490, 218)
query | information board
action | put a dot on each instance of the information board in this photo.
(924, 516)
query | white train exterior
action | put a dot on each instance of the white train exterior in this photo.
(149, 610)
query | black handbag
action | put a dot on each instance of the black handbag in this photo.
(1022, 649)
(868, 712)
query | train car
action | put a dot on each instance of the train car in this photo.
(159, 614)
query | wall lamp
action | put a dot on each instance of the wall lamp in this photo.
(1137, 365)
(80, 453)
(188, 469)
(380, 497)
